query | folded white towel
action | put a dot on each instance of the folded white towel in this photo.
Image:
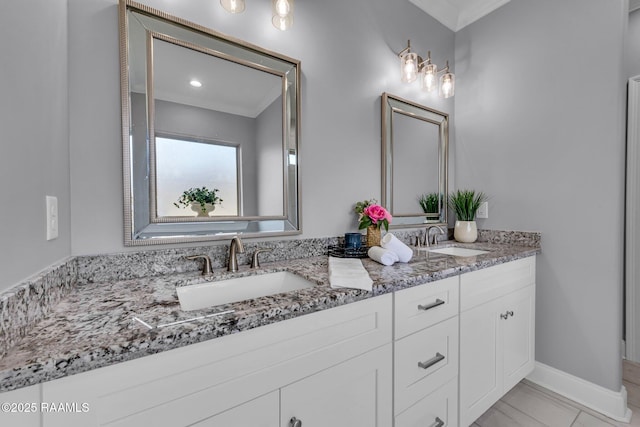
(348, 273)
(392, 243)
(383, 256)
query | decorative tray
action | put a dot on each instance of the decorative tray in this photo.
(342, 252)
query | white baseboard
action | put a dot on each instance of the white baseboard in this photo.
(607, 402)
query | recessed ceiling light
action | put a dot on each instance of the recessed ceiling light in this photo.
(195, 83)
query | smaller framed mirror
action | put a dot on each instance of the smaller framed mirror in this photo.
(415, 150)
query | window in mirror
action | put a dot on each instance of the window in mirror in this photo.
(182, 164)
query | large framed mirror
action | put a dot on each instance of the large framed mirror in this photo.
(210, 133)
(415, 150)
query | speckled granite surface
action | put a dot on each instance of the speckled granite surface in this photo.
(29, 302)
(93, 325)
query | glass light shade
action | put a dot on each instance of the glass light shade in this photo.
(447, 85)
(409, 67)
(429, 77)
(282, 11)
(233, 6)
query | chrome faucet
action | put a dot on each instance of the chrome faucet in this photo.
(236, 246)
(427, 236)
(206, 266)
(255, 260)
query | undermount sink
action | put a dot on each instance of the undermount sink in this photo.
(456, 251)
(203, 295)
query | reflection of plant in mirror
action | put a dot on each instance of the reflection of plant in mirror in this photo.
(466, 203)
(429, 202)
(203, 196)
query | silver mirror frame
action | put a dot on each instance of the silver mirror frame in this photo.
(206, 230)
(394, 104)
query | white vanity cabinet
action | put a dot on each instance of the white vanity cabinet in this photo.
(323, 368)
(426, 355)
(21, 408)
(497, 331)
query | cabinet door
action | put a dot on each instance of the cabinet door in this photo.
(357, 392)
(21, 408)
(261, 412)
(480, 360)
(518, 336)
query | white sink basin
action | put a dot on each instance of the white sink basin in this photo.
(456, 251)
(203, 295)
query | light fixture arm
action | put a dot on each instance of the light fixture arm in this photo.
(426, 61)
(406, 49)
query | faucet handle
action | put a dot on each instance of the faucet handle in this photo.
(206, 267)
(255, 261)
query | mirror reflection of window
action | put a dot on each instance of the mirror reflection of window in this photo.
(183, 164)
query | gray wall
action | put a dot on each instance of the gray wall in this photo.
(544, 137)
(633, 44)
(348, 53)
(269, 168)
(34, 147)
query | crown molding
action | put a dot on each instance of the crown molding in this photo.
(457, 14)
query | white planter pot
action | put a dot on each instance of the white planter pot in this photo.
(198, 209)
(465, 231)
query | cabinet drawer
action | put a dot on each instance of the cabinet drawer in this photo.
(425, 305)
(424, 361)
(440, 408)
(485, 285)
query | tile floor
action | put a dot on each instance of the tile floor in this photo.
(529, 405)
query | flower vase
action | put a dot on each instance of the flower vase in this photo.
(465, 231)
(373, 236)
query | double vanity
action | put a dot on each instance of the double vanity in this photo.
(436, 342)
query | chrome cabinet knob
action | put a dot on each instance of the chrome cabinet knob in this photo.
(295, 422)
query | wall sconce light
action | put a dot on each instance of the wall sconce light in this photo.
(411, 65)
(447, 83)
(282, 11)
(233, 6)
(408, 64)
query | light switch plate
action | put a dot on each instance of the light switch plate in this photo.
(52, 217)
(483, 211)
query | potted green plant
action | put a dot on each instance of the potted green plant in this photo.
(430, 204)
(202, 200)
(466, 203)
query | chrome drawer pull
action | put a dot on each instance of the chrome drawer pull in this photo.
(510, 313)
(429, 363)
(294, 422)
(432, 305)
(439, 422)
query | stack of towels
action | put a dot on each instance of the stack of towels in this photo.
(392, 250)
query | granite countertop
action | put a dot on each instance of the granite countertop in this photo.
(94, 325)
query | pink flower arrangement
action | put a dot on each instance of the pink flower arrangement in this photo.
(372, 214)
